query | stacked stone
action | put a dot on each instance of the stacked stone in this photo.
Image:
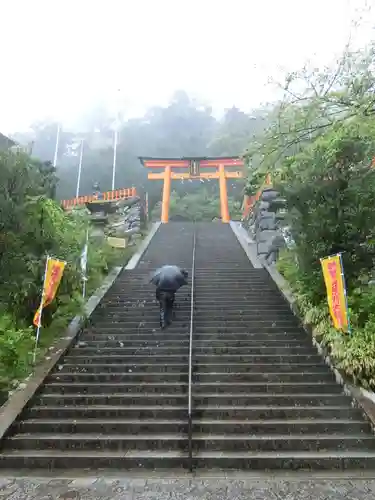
(265, 224)
(120, 219)
(126, 221)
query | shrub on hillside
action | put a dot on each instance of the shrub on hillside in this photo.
(33, 226)
(353, 353)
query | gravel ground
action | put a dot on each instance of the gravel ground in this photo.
(207, 488)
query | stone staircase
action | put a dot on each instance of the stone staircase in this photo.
(262, 397)
(119, 397)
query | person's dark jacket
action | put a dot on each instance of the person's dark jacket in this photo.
(169, 278)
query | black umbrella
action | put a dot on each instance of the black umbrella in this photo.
(169, 278)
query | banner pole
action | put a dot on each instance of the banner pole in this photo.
(346, 295)
(41, 309)
(84, 271)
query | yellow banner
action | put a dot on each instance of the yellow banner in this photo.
(334, 279)
(54, 272)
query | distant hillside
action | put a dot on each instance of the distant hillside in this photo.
(5, 142)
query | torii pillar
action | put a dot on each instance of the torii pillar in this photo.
(166, 194)
(191, 168)
(223, 195)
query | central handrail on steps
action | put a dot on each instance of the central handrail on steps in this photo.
(190, 423)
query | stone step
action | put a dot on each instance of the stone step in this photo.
(210, 404)
(148, 301)
(313, 379)
(106, 339)
(162, 335)
(109, 359)
(153, 388)
(118, 347)
(281, 324)
(114, 327)
(130, 376)
(220, 419)
(167, 460)
(214, 313)
(100, 398)
(255, 350)
(104, 365)
(117, 355)
(230, 270)
(300, 388)
(101, 367)
(179, 441)
(87, 442)
(230, 373)
(121, 425)
(286, 460)
(197, 342)
(106, 410)
(180, 387)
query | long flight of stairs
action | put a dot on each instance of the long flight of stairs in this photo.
(262, 397)
(119, 397)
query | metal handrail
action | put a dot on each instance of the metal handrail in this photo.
(190, 423)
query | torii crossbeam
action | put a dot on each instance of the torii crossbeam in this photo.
(221, 168)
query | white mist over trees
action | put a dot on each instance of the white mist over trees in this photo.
(183, 128)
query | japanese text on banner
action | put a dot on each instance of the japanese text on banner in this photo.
(54, 272)
(333, 277)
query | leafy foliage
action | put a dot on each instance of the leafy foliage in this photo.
(314, 101)
(15, 350)
(319, 151)
(32, 226)
(353, 354)
(329, 190)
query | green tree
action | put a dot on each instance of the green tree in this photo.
(314, 101)
(319, 149)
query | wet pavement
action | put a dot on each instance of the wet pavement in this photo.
(195, 488)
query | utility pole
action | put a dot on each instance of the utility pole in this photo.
(115, 140)
(57, 145)
(79, 169)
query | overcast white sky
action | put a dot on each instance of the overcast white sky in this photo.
(59, 57)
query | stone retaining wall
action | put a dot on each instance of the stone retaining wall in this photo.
(266, 225)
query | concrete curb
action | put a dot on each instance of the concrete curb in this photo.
(26, 390)
(366, 402)
(246, 243)
(133, 262)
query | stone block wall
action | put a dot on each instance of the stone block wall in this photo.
(267, 226)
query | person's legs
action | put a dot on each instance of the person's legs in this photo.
(159, 298)
(165, 298)
(169, 307)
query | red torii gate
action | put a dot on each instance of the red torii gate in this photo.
(221, 168)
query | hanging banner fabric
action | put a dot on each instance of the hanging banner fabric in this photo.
(333, 273)
(54, 272)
